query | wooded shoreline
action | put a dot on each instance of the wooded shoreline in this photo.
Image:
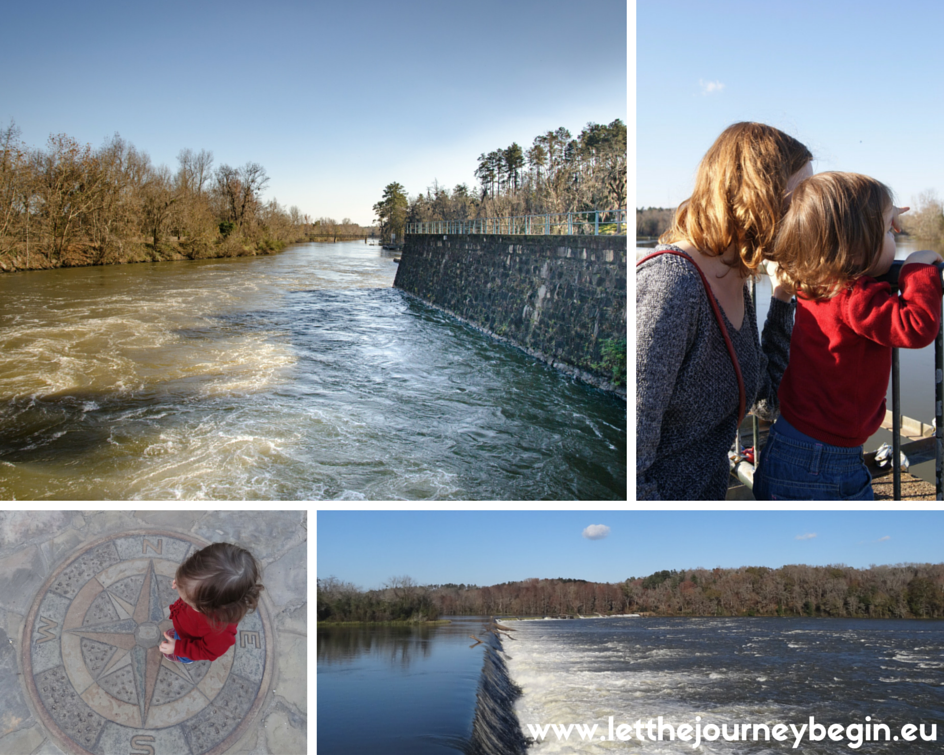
(69, 205)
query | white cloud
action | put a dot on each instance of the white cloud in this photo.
(710, 87)
(807, 536)
(875, 542)
(596, 532)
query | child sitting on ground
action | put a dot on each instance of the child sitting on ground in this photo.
(218, 586)
(835, 239)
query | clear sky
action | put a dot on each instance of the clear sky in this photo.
(860, 82)
(334, 99)
(490, 547)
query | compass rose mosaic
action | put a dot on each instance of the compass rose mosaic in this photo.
(94, 671)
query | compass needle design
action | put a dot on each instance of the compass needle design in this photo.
(103, 685)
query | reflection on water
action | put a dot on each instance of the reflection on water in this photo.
(303, 375)
(397, 690)
(400, 646)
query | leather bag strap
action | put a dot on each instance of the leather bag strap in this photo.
(742, 408)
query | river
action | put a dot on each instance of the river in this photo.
(398, 690)
(725, 672)
(298, 376)
(425, 691)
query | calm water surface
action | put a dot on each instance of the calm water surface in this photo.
(397, 690)
(302, 376)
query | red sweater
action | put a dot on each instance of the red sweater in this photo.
(841, 353)
(198, 640)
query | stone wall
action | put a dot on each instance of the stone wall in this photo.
(560, 298)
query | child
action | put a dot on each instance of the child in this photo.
(218, 586)
(835, 239)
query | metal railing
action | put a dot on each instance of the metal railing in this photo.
(892, 277)
(744, 470)
(587, 223)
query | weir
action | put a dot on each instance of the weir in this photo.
(560, 298)
(495, 729)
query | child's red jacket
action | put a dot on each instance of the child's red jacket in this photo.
(841, 353)
(198, 640)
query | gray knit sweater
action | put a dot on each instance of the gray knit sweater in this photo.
(686, 388)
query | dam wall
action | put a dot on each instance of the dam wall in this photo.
(562, 299)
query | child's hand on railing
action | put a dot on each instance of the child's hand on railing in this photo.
(924, 257)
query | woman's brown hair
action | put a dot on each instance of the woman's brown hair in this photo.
(738, 195)
(223, 581)
(832, 234)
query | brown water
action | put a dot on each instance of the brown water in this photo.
(301, 376)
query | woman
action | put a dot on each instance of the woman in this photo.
(688, 390)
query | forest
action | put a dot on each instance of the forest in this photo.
(888, 592)
(68, 205)
(559, 173)
(652, 222)
(924, 221)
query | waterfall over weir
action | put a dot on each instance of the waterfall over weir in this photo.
(495, 730)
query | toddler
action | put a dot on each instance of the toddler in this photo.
(836, 238)
(218, 586)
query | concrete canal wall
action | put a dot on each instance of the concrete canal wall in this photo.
(560, 298)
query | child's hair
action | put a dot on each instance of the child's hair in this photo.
(832, 233)
(739, 192)
(223, 581)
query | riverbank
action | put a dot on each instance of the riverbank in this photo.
(330, 624)
(172, 251)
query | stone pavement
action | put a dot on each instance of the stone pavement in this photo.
(83, 602)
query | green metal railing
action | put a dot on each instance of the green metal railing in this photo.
(588, 223)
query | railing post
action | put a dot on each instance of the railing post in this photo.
(754, 422)
(596, 227)
(939, 405)
(896, 425)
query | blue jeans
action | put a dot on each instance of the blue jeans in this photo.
(180, 657)
(796, 470)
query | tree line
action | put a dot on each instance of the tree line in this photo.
(652, 222)
(900, 591)
(559, 173)
(69, 204)
(401, 599)
(925, 221)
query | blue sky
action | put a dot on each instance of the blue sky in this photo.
(858, 81)
(334, 99)
(489, 547)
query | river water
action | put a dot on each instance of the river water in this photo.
(736, 671)
(398, 690)
(299, 376)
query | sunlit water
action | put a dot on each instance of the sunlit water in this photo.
(729, 672)
(398, 690)
(301, 376)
